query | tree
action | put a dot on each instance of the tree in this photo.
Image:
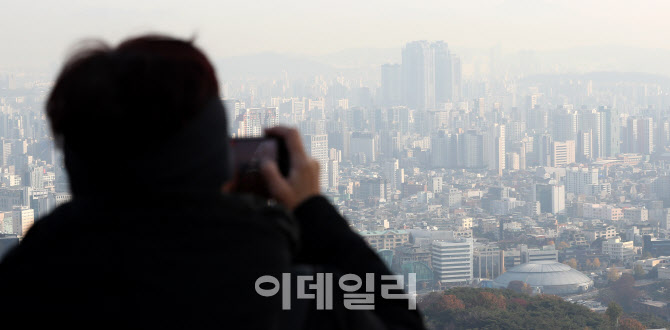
(433, 303)
(638, 271)
(613, 274)
(572, 263)
(563, 245)
(520, 287)
(613, 312)
(596, 263)
(452, 302)
(493, 301)
(624, 291)
(630, 324)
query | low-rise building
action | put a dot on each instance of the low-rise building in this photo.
(452, 261)
(617, 249)
(385, 239)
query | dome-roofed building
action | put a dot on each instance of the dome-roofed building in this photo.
(548, 277)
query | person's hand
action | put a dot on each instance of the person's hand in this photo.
(303, 178)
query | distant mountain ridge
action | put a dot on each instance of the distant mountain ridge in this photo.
(367, 61)
(270, 65)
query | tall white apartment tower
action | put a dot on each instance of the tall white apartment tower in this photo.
(316, 146)
(495, 146)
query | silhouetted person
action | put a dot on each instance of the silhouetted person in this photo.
(151, 238)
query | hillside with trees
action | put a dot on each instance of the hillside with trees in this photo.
(470, 308)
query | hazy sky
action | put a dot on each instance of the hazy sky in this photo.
(38, 33)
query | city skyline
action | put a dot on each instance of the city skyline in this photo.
(451, 149)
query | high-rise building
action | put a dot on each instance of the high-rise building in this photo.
(370, 188)
(630, 136)
(495, 148)
(646, 130)
(391, 89)
(418, 73)
(457, 79)
(444, 150)
(333, 173)
(444, 80)
(590, 121)
(365, 144)
(639, 136)
(663, 136)
(251, 122)
(471, 150)
(543, 150)
(565, 126)
(584, 152)
(610, 130)
(6, 151)
(317, 147)
(563, 153)
(551, 198)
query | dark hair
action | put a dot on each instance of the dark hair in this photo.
(142, 91)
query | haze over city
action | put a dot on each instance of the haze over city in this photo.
(509, 160)
(41, 33)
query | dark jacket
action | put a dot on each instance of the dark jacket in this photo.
(181, 262)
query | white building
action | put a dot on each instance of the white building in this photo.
(617, 249)
(452, 260)
(562, 153)
(452, 197)
(635, 214)
(316, 146)
(606, 233)
(579, 181)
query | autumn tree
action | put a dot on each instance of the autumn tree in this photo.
(563, 245)
(613, 274)
(596, 263)
(452, 302)
(572, 263)
(630, 324)
(493, 301)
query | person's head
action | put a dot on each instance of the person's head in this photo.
(146, 88)
(117, 104)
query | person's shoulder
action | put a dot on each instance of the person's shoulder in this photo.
(51, 222)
